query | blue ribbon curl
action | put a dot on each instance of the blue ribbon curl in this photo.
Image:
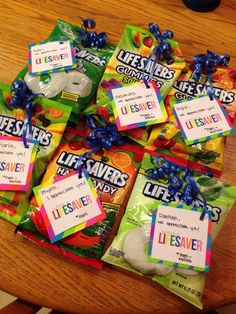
(101, 137)
(91, 39)
(169, 171)
(206, 64)
(162, 50)
(22, 97)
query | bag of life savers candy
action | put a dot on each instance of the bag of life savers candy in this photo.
(166, 138)
(49, 120)
(128, 65)
(113, 174)
(129, 248)
(77, 87)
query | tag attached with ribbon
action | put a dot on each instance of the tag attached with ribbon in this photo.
(51, 56)
(179, 238)
(136, 106)
(180, 234)
(202, 119)
(17, 162)
(68, 204)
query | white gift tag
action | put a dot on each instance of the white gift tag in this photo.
(68, 205)
(52, 56)
(202, 119)
(16, 163)
(136, 106)
(179, 238)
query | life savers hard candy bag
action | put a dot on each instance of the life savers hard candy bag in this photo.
(129, 248)
(49, 120)
(166, 138)
(128, 65)
(74, 88)
(113, 173)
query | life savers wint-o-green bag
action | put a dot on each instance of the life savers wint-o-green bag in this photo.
(74, 88)
(147, 194)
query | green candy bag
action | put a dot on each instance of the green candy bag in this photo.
(147, 194)
(49, 120)
(127, 66)
(74, 88)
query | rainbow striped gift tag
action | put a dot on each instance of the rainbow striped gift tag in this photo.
(179, 238)
(68, 204)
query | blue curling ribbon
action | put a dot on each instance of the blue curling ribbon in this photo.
(162, 49)
(91, 39)
(22, 97)
(167, 170)
(206, 64)
(101, 137)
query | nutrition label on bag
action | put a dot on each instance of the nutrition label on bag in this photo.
(137, 106)
(16, 163)
(47, 57)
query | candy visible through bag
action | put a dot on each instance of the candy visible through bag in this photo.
(49, 120)
(74, 88)
(113, 173)
(126, 66)
(129, 248)
(166, 138)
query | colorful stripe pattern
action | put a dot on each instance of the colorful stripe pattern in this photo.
(140, 124)
(206, 138)
(208, 247)
(56, 237)
(18, 187)
(69, 67)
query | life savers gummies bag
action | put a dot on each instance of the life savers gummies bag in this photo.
(166, 138)
(127, 66)
(49, 120)
(113, 174)
(74, 88)
(146, 195)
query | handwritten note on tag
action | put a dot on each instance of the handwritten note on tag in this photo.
(202, 119)
(16, 163)
(54, 56)
(179, 238)
(136, 106)
(68, 205)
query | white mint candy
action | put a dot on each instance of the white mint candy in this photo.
(78, 83)
(49, 85)
(133, 248)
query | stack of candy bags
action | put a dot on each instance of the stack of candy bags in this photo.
(111, 154)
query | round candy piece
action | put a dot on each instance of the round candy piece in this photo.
(49, 88)
(133, 248)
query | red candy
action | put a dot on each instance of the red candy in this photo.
(76, 145)
(148, 41)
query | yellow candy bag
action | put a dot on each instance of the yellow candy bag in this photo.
(127, 65)
(165, 138)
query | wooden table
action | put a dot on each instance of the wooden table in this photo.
(40, 276)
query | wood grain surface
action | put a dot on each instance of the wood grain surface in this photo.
(40, 276)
